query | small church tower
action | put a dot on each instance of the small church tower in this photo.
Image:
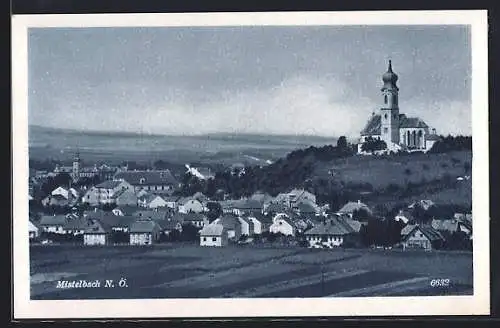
(389, 112)
(76, 167)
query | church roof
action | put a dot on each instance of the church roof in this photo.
(373, 126)
(411, 122)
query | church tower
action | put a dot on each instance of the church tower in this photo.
(389, 112)
(76, 167)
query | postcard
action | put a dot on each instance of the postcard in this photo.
(213, 165)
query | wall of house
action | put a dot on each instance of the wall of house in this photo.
(325, 241)
(55, 229)
(257, 226)
(245, 227)
(192, 206)
(141, 239)
(216, 241)
(94, 239)
(417, 240)
(127, 198)
(157, 202)
(282, 226)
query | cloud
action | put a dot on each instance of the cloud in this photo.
(300, 105)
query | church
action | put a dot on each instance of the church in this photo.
(397, 130)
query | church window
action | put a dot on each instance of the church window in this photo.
(385, 99)
(385, 116)
(385, 130)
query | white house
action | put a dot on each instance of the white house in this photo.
(97, 234)
(53, 223)
(33, 230)
(351, 207)
(152, 201)
(404, 216)
(213, 235)
(333, 232)
(144, 232)
(105, 192)
(283, 224)
(189, 205)
(257, 224)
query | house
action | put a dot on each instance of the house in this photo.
(125, 197)
(275, 208)
(228, 205)
(188, 205)
(141, 193)
(156, 181)
(33, 230)
(105, 192)
(452, 225)
(352, 207)
(77, 226)
(144, 232)
(260, 222)
(171, 202)
(152, 201)
(156, 214)
(125, 210)
(213, 235)
(201, 197)
(247, 227)
(421, 237)
(243, 206)
(169, 225)
(404, 216)
(98, 233)
(56, 200)
(334, 232)
(295, 196)
(231, 224)
(53, 223)
(283, 223)
(199, 220)
(306, 207)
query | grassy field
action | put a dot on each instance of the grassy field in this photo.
(190, 271)
(422, 170)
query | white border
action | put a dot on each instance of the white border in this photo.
(478, 304)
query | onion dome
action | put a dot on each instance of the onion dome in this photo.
(390, 78)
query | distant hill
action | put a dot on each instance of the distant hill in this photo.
(223, 148)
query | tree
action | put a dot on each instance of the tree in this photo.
(342, 143)
(214, 211)
(371, 144)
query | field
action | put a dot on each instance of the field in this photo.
(190, 271)
(419, 169)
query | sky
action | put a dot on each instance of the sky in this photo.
(305, 80)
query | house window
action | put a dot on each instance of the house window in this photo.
(385, 99)
(204, 238)
(142, 180)
(214, 238)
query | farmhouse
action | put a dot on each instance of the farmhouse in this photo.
(294, 197)
(144, 232)
(452, 226)
(98, 233)
(260, 222)
(171, 202)
(53, 223)
(421, 237)
(77, 226)
(243, 206)
(213, 235)
(154, 181)
(56, 200)
(334, 232)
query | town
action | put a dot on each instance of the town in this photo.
(108, 205)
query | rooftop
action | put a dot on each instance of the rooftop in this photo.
(164, 177)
